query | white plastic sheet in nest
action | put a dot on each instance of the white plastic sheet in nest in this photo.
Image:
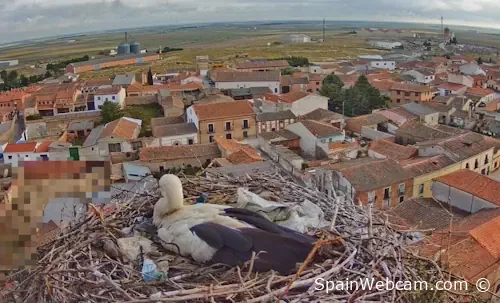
(300, 216)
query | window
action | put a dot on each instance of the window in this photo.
(476, 164)
(190, 141)
(114, 147)
(486, 160)
(210, 128)
(401, 189)
(317, 83)
(467, 166)
(245, 124)
(228, 136)
(273, 129)
(113, 98)
(136, 145)
(398, 101)
(10, 157)
(417, 94)
(177, 143)
(211, 139)
(387, 193)
(26, 156)
(107, 99)
(98, 98)
(275, 90)
(483, 171)
(421, 189)
(407, 94)
(162, 168)
(371, 196)
(399, 92)
(245, 134)
(228, 126)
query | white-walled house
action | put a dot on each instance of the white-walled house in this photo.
(447, 89)
(191, 79)
(175, 134)
(19, 152)
(299, 103)
(115, 136)
(315, 134)
(383, 64)
(421, 76)
(114, 94)
(232, 80)
(460, 79)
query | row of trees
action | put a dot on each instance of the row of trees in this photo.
(13, 80)
(360, 99)
(56, 68)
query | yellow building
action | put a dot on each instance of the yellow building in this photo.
(469, 151)
(426, 169)
(228, 120)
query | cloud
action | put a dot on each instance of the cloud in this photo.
(23, 19)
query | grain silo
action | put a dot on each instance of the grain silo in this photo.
(135, 47)
(124, 49)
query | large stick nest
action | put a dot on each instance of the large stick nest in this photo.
(77, 267)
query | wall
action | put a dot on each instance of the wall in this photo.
(427, 180)
(17, 157)
(390, 65)
(219, 129)
(459, 199)
(271, 107)
(115, 98)
(191, 117)
(155, 166)
(402, 98)
(309, 104)
(307, 140)
(273, 85)
(394, 195)
(481, 162)
(432, 119)
(460, 79)
(291, 162)
(267, 126)
(374, 134)
(171, 140)
(103, 145)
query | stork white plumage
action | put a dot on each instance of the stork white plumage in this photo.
(221, 234)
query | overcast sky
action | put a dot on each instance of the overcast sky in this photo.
(22, 19)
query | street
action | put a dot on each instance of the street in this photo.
(19, 128)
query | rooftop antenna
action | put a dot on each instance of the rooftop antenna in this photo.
(324, 28)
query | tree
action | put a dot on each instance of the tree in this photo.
(12, 76)
(454, 40)
(3, 75)
(333, 79)
(150, 77)
(23, 80)
(479, 60)
(110, 111)
(288, 71)
(48, 74)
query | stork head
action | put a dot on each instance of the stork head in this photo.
(172, 196)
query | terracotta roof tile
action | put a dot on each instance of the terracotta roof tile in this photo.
(479, 91)
(43, 147)
(493, 106)
(62, 169)
(483, 234)
(214, 111)
(123, 128)
(382, 85)
(245, 155)
(355, 124)
(392, 150)
(228, 145)
(320, 129)
(451, 86)
(293, 96)
(425, 165)
(322, 114)
(20, 147)
(108, 90)
(165, 153)
(184, 87)
(474, 184)
(374, 174)
(410, 87)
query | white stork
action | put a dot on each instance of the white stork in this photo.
(220, 234)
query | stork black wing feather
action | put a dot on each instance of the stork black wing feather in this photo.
(218, 236)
